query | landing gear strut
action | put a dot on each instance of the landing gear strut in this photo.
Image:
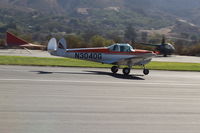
(126, 71)
(114, 69)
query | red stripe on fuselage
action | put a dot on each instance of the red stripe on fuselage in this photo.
(90, 50)
(107, 51)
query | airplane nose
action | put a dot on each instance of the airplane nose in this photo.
(153, 54)
(150, 54)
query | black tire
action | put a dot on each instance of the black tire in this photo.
(114, 69)
(146, 71)
(126, 71)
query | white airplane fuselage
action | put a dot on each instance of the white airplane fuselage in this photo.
(104, 55)
(116, 54)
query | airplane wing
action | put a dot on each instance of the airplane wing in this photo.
(32, 45)
(132, 61)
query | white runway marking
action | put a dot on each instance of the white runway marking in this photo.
(104, 82)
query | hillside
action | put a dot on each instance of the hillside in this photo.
(42, 18)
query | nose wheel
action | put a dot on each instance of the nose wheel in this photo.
(146, 71)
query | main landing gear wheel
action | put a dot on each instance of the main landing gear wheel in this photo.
(126, 71)
(146, 71)
(114, 69)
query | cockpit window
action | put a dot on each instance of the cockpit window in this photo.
(121, 48)
(116, 48)
(125, 49)
(167, 46)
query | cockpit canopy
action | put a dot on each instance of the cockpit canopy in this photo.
(169, 46)
(121, 48)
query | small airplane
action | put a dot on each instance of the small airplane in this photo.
(116, 54)
(164, 48)
(14, 41)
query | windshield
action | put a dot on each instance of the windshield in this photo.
(169, 46)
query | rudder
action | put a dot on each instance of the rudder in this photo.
(62, 44)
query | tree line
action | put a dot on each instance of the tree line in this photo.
(93, 39)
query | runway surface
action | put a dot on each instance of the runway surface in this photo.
(85, 100)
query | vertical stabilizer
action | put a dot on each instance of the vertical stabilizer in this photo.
(12, 40)
(62, 44)
(52, 45)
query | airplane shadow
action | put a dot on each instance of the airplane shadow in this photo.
(119, 76)
(161, 56)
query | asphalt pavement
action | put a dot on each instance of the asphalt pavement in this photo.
(91, 100)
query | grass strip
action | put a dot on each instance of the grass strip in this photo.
(48, 61)
(67, 62)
